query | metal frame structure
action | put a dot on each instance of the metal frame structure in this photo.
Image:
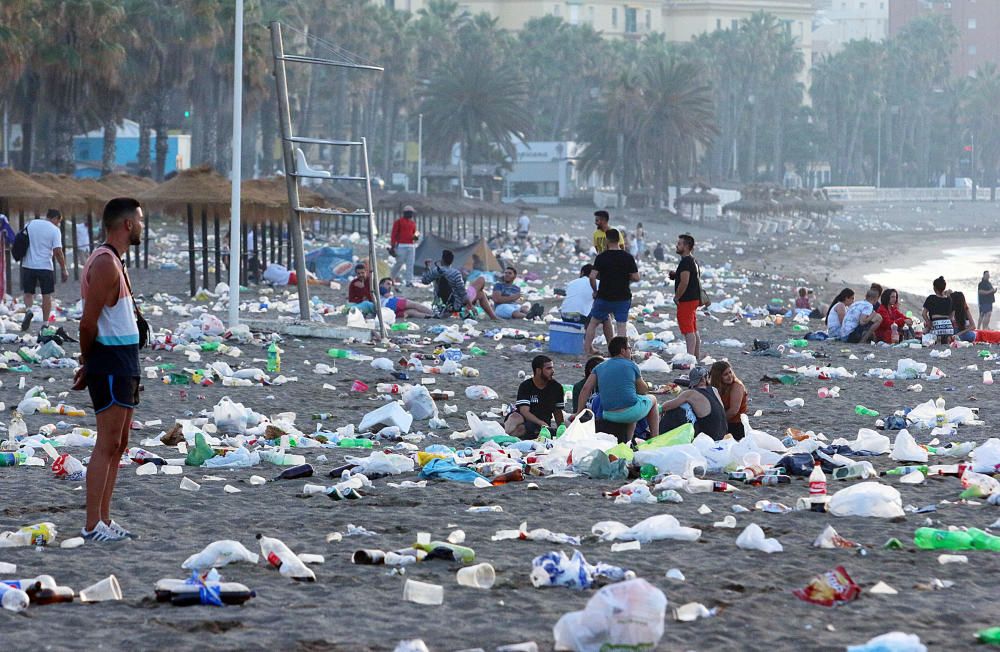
(293, 174)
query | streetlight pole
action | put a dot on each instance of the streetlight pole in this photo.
(420, 154)
(974, 189)
(878, 155)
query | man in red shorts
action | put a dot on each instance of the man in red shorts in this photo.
(687, 294)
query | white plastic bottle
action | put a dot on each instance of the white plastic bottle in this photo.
(13, 599)
(287, 562)
(940, 417)
(817, 489)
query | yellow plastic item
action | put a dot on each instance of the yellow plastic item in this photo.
(424, 458)
(621, 451)
(679, 435)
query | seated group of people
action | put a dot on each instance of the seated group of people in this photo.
(451, 294)
(614, 390)
(878, 317)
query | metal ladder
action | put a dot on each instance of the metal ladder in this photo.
(296, 168)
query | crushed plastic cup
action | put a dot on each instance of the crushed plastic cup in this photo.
(692, 611)
(423, 593)
(146, 469)
(69, 544)
(188, 484)
(103, 591)
(168, 469)
(626, 546)
(480, 576)
(359, 386)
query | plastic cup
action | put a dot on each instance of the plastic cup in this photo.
(358, 386)
(480, 576)
(146, 469)
(423, 593)
(187, 484)
(106, 589)
(168, 469)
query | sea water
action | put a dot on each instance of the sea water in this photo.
(962, 268)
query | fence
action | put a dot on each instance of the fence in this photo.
(873, 194)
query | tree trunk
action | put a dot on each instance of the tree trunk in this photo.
(162, 138)
(779, 145)
(32, 84)
(145, 166)
(268, 136)
(249, 157)
(62, 152)
(108, 153)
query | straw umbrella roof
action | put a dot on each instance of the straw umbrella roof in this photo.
(70, 197)
(21, 192)
(748, 206)
(697, 197)
(270, 198)
(127, 184)
(199, 186)
(96, 192)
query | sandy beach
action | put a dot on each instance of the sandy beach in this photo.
(355, 607)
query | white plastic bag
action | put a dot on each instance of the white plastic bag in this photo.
(752, 538)
(230, 416)
(419, 403)
(481, 392)
(986, 456)
(211, 325)
(382, 364)
(220, 553)
(654, 528)
(390, 414)
(381, 463)
(629, 613)
(681, 460)
(867, 499)
(655, 364)
(905, 449)
(870, 441)
(484, 429)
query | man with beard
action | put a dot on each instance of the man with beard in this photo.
(109, 359)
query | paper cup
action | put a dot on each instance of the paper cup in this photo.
(480, 576)
(188, 484)
(106, 589)
(423, 593)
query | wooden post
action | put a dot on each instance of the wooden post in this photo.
(218, 247)
(145, 244)
(263, 244)
(191, 269)
(62, 238)
(288, 248)
(90, 232)
(76, 251)
(204, 247)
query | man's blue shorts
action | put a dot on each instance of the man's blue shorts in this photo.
(603, 308)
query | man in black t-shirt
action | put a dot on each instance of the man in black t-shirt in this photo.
(987, 294)
(687, 294)
(615, 268)
(539, 400)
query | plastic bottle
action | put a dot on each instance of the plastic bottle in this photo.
(991, 635)
(281, 458)
(817, 488)
(41, 595)
(933, 539)
(850, 471)
(13, 599)
(445, 550)
(338, 353)
(984, 541)
(903, 470)
(987, 377)
(321, 416)
(388, 388)
(273, 359)
(798, 343)
(940, 417)
(183, 594)
(511, 476)
(561, 430)
(545, 433)
(771, 479)
(294, 472)
(861, 410)
(894, 333)
(281, 557)
(13, 459)
(17, 427)
(355, 442)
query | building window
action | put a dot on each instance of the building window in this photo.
(972, 23)
(734, 23)
(631, 20)
(861, 5)
(649, 20)
(614, 16)
(972, 50)
(574, 14)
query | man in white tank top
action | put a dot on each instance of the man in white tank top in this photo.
(109, 358)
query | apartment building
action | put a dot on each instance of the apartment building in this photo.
(977, 22)
(838, 22)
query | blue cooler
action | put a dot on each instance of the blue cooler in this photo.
(566, 337)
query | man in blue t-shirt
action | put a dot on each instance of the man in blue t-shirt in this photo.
(507, 296)
(624, 394)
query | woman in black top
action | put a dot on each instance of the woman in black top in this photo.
(938, 313)
(965, 327)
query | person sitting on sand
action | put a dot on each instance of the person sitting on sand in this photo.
(938, 313)
(861, 320)
(450, 293)
(700, 404)
(404, 308)
(625, 395)
(965, 327)
(359, 291)
(802, 301)
(733, 393)
(588, 368)
(835, 313)
(507, 296)
(888, 308)
(540, 399)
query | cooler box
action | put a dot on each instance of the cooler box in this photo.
(565, 337)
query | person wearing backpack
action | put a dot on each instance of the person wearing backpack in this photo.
(37, 271)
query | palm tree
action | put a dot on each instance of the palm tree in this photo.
(475, 100)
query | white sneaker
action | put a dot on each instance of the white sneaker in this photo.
(119, 530)
(101, 534)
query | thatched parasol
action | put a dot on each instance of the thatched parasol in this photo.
(127, 185)
(70, 197)
(199, 186)
(748, 207)
(271, 197)
(19, 192)
(96, 193)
